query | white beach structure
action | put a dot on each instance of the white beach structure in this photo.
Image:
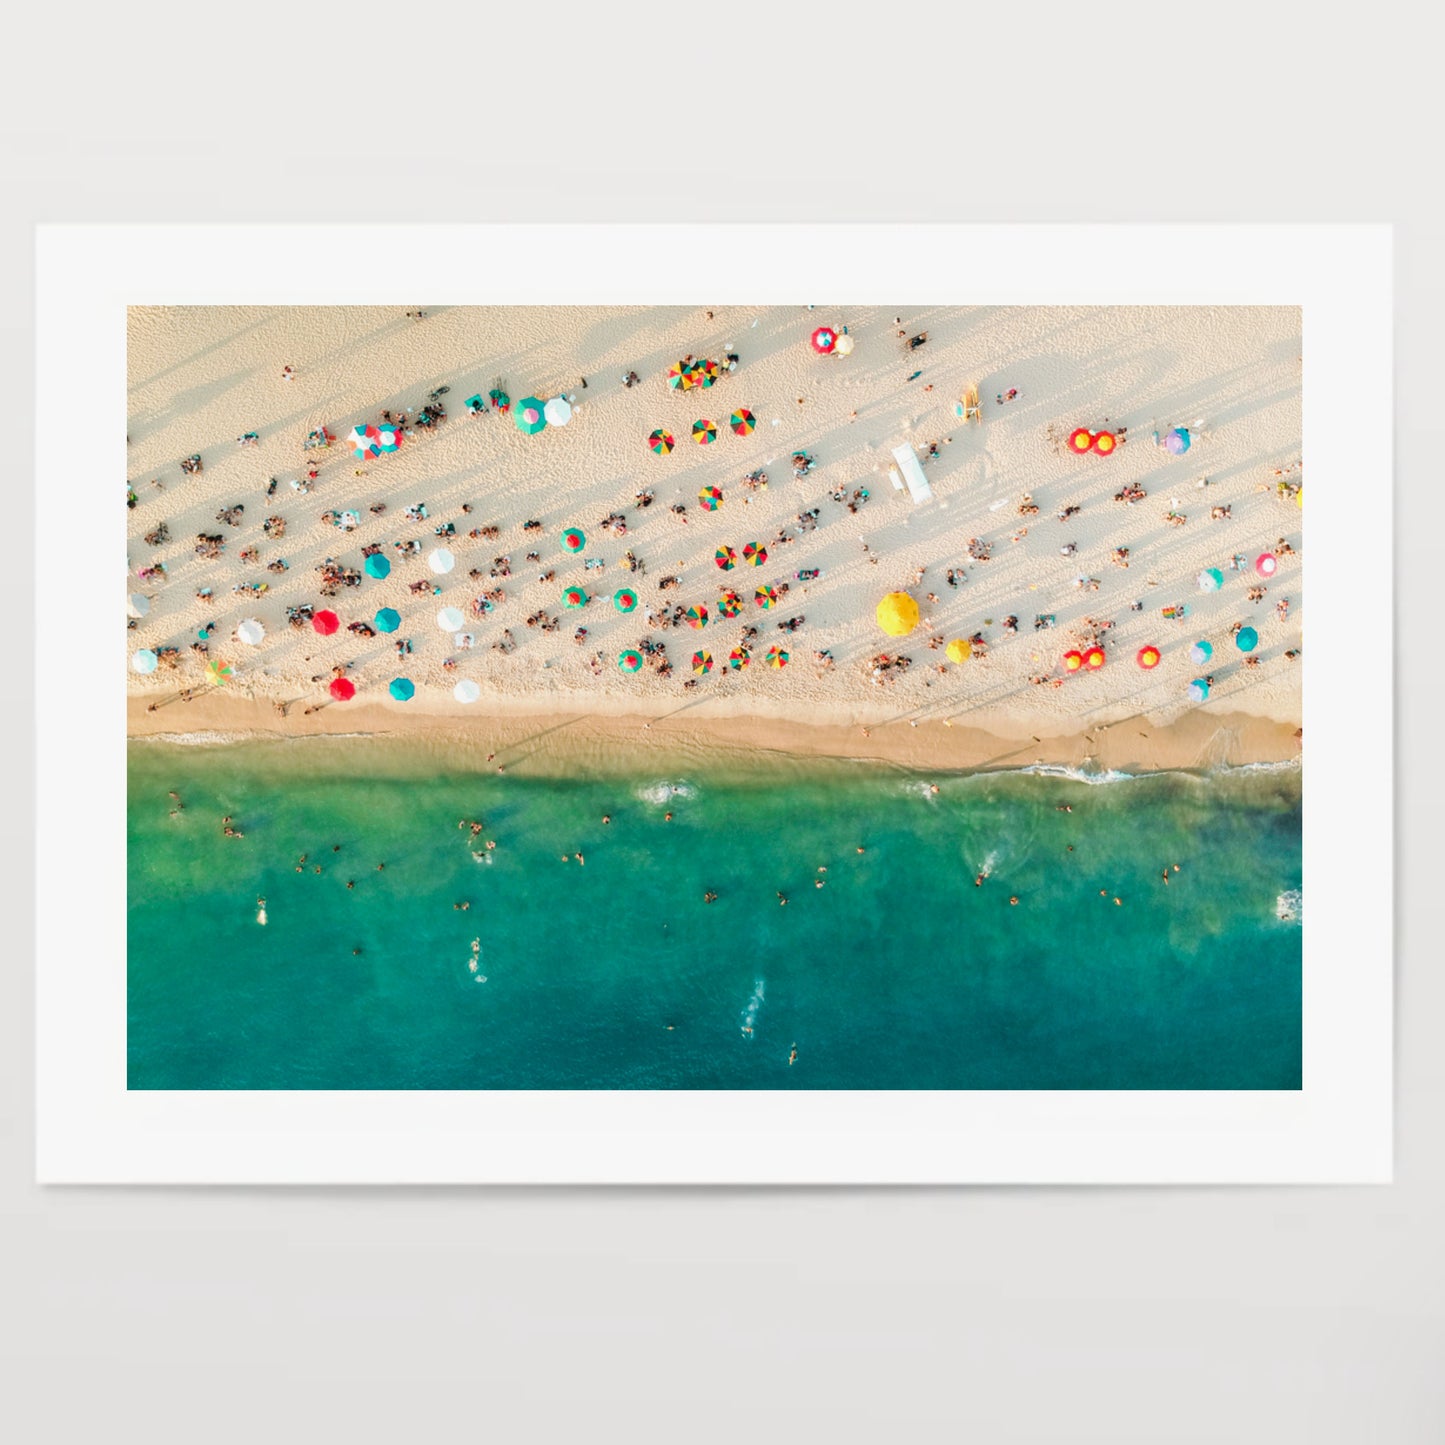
(911, 470)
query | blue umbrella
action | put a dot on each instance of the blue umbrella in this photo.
(403, 689)
(1198, 690)
(1176, 440)
(1246, 639)
(1201, 652)
(388, 619)
(377, 565)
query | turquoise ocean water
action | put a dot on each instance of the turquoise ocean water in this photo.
(900, 973)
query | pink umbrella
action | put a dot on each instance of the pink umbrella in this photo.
(1266, 564)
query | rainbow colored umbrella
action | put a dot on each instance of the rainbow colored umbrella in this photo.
(500, 400)
(574, 597)
(824, 340)
(765, 596)
(1201, 652)
(325, 622)
(629, 661)
(729, 604)
(697, 616)
(701, 662)
(365, 441)
(1198, 690)
(1246, 639)
(387, 620)
(220, 673)
(403, 689)
(531, 416)
(704, 432)
(624, 599)
(706, 372)
(710, 498)
(1094, 658)
(726, 558)
(1073, 660)
(755, 553)
(743, 421)
(1266, 564)
(342, 689)
(776, 657)
(1147, 657)
(573, 539)
(661, 442)
(739, 658)
(377, 566)
(1176, 441)
(679, 375)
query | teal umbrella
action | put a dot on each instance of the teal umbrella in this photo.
(1246, 639)
(1198, 690)
(388, 619)
(531, 416)
(377, 566)
(1211, 579)
(403, 689)
(1201, 652)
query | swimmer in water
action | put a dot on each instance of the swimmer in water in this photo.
(1013, 901)
(793, 1055)
(860, 850)
(351, 882)
(709, 897)
(1064, 808)
(817, 883)
(667, 817)
(933, 787)
(782, 898)
(607, 817)
(978, 881)
(580, 858)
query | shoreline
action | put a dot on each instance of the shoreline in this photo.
(548, 740)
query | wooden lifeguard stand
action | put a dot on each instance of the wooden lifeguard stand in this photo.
(967, 406)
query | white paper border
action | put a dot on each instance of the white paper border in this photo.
(1336, 1129)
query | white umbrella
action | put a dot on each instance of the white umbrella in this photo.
(250, 631)
(844, 345)
(450, 619)
(466, 691)
(558, 411)
(145, 660)
(441, 560)
(137, 605)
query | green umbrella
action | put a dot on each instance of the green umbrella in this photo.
(531, 416)
(624, 599)
(573, 539)
(574, 597)
(629, 661)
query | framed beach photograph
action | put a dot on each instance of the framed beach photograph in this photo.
(826, 707)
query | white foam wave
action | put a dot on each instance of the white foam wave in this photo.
(664, 791)
(1078, 775)
(750, 1013)
(1289, 907)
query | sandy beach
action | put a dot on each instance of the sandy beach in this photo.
(203, 379)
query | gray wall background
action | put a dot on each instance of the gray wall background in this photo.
(1310, 1315)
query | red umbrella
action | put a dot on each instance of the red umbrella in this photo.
(1073, 660)
(824, 340)
(1094, 657)
(1081, 439)
(326, 622)
(1148, 656)
(342, 689)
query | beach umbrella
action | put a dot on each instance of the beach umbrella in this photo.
(403, 689)
(624, 599)
(531, 416)
(250, 632)
(729, 604)
(960, 650)
(629, 661)
(574, 597)
(377, 566)
(1201, 652)
(1246, 639)
(387, 620)
(1081, 440)
(220, 673)
(500, 400)
(661, 442)
(558, 411)
(824, 340)
(325, 622)
(342, 689)
(389, 437)
(701, 662)
(1147, 656)
(137, 605)
(573, 539)
(697, 616)
(450, 619)
(1105, 442)
(776, 657)
(897, 613)
(704, 432)
(1175, 441)
(726, 558)
(743, 421)
(440, 560)
(466, 691)
(755, 553)
(739, 658)
(1073, 660)
(707, 372)
(1198, 690)
(710, 498)
(365, 441)
(1210, 580)
(679, 375)
(765, 596)
(1266, 564)
(844, 345)
(144, 661)
(1094, 658)
(1299, 498)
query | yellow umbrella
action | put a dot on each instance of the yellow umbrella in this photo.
(897, 614)
(1299, 499)
(960, 649)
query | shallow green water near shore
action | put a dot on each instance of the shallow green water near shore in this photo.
(899, 973)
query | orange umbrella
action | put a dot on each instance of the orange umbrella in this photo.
(1094, 658)
(1148, 657)
(1105, 442)
(1073, 661)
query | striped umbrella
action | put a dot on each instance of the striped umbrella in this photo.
(1073, 660)
(704, 432)
(325, 622)
(765, 596)
(701, 662)
(389, 437)
(1147, 657)
(661, 442)
(440, 560)
(450, 619)
(220, 673)
(342, 689)
(573, 539)
(629, 661)
(711, 498)
(1198, 690)
(739, 658)
(730, 604)
(531, 416)
(697, 616)
(679, 376)
(1246, 639)
(1201, 652)
(755, 553)
(377, 566)
(1210, 580)
(574, 597)
(365, 441)
(824, 340)
(726, 558)
(706, 372)
(624, 599)
(387, 620)
(777, 657)
(403, 689)
(1094, 658)
(743, 421)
